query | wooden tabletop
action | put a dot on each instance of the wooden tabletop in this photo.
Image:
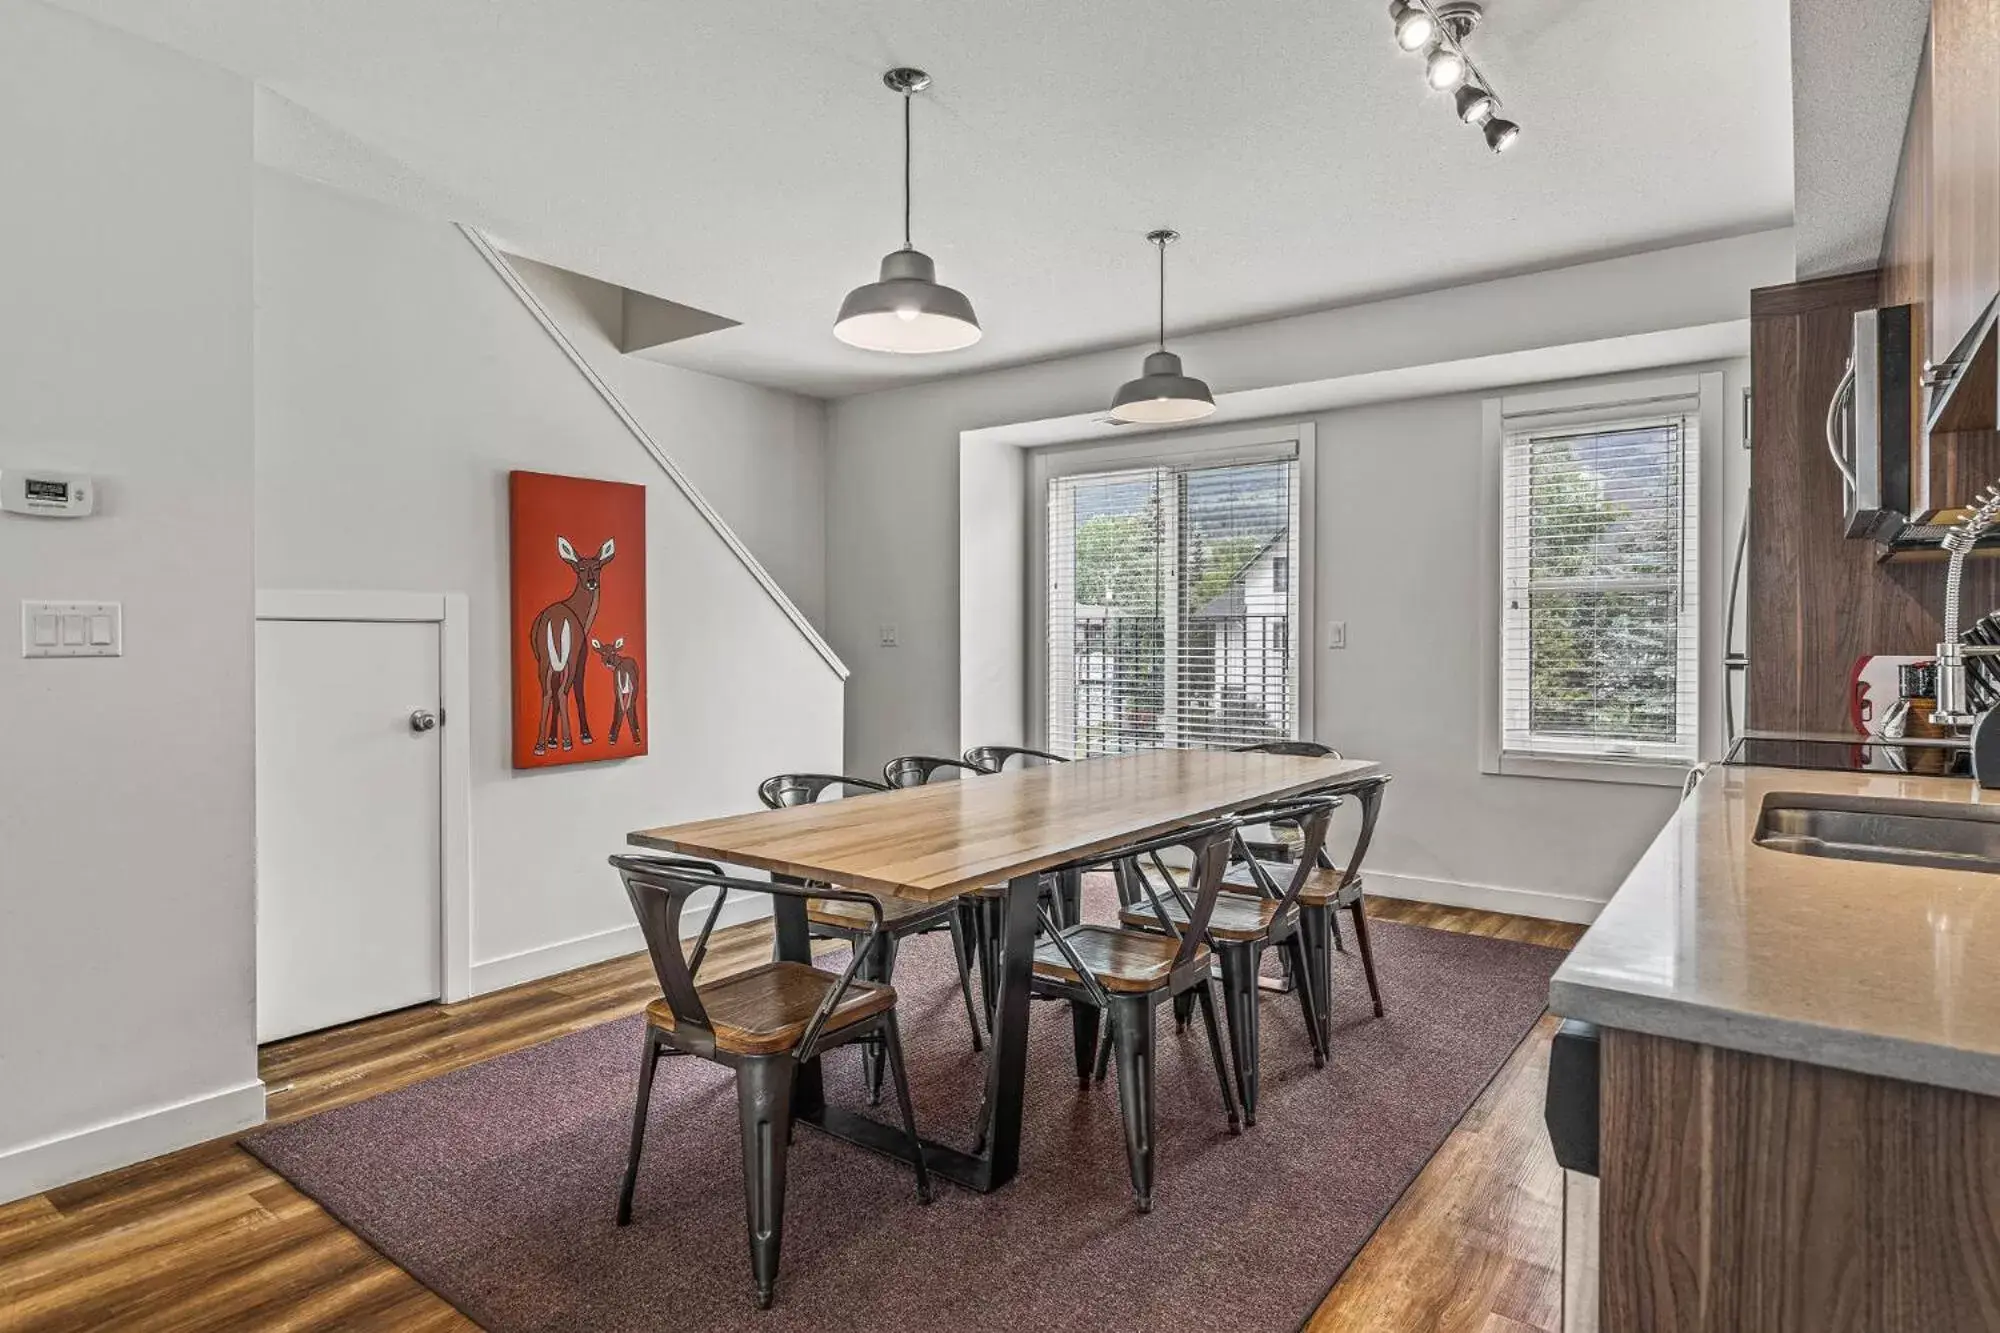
(939, 841)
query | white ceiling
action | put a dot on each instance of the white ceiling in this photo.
(742, 157)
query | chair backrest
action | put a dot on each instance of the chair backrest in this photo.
(1303, 749)
(1311, 815)
(1209, 845)
(914, 770)
(789, 789)
(659, 888)
(993, 758)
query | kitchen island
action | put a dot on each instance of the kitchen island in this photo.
(1800, 1092)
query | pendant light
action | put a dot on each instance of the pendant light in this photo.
(1163, 395)
(907, 310)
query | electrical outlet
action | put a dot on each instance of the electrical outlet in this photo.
(1336, 634)
(888, 636)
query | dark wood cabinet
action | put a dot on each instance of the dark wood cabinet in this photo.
(1817, 600)
(1942, 250)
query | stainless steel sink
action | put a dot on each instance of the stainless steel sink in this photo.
(1937, 834)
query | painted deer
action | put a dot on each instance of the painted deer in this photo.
(557, 638)
(624, 688)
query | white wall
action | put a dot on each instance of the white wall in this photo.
(893, 512)
(758, 455)
(126, 939)
(398, 381)
(896, 515)
(1411, 583)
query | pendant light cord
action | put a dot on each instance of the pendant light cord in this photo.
(906, 172)
(1163, 295)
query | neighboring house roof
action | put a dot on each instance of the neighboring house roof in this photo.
(1229, 604)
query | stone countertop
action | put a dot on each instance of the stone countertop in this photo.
(1881, 969)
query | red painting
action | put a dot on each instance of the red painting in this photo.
(579, 642)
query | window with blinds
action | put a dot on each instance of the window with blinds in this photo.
(1600, 628)
(1172, 607)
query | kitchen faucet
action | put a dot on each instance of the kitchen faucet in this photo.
(1954, 708)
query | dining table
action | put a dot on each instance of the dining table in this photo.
(937, 842)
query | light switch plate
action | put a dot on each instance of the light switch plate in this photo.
(888, 636)
(1336, 634)
(72, 629)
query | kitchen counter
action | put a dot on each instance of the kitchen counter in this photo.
(1885, 970)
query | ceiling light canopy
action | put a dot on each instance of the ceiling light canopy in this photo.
(906, 309)
(1164, 394)
(1440, 28)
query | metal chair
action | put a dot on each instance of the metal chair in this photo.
(834, 918)
(1122, 976)
(1330, 890)
(763, 1024)
(1241, 927)
(993, 758)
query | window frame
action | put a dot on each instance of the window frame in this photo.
(1605, 402)
(1180, 449)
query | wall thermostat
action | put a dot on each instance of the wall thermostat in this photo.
(46, 494)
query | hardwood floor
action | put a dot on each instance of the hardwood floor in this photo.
(209, 1238)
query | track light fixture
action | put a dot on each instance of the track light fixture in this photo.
(1439, 28)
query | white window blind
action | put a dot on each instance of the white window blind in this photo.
(1173, 607)
(1600, 626)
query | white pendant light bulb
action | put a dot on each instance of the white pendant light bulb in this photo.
(907, 309)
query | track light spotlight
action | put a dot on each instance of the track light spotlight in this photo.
(1413, 26)
(1501, 134)
(1445, 67)
(1475, 104)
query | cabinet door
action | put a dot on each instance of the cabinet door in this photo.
(1965, 171)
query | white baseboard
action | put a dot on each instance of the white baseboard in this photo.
(533, 964)
(80, 1154)
(1484, 897)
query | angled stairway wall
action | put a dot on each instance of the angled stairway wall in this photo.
(399, 379)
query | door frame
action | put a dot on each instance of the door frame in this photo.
(449, 611)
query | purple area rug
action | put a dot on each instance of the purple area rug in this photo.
(496, 1185)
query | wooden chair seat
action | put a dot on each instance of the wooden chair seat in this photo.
(840, 915)
(1322, 885)
(1238, 916)
(765, 1011)
(1127, 962)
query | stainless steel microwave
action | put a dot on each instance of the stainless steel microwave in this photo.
(1872, 422)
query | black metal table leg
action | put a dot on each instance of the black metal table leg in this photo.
(1006, 1069)
(795, 946)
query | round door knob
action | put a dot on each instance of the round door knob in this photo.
(423, 719)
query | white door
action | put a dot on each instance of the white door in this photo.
(348, 841)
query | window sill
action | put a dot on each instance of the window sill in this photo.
(1649, 773)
